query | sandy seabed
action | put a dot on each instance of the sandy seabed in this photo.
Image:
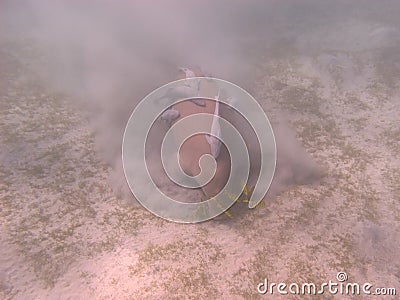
(65, 235)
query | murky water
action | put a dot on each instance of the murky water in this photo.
(330, 72)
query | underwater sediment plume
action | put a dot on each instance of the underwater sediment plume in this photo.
(326, 75)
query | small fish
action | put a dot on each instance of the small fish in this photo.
(193, 86)
(214, 138)
(199, 102)
(188, 73)
(170, 115)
